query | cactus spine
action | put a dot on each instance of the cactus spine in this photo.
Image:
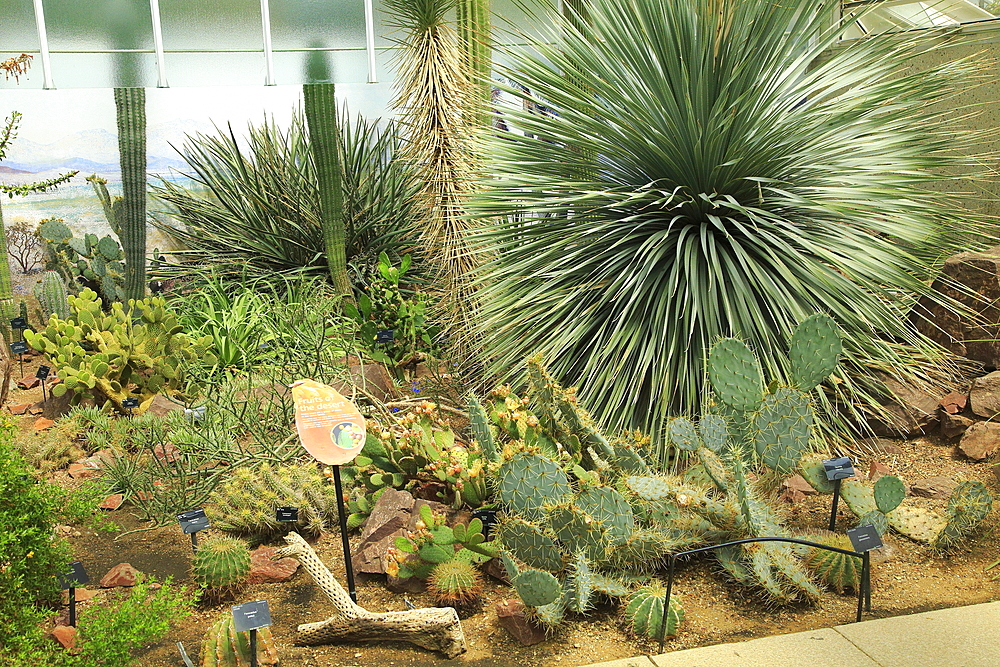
(324, 139)
(224, 647)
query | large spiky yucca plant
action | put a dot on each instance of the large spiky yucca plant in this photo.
(719, 168)
(435, 98)
(254, 211)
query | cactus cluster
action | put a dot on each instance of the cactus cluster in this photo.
(419, 552)
(89, 262)
(551, 422)
(421, 447)
(137, 350)
(245, 504)
(52, 297)
(564, 544)
(220, 565)
(224, 647)
(883, 506)
(644, 612)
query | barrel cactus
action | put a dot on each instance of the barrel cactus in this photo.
(644, 612)
(838, 571)
(220, 565)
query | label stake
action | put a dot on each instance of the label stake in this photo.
(348, 566)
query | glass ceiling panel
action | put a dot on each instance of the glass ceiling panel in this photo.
(215, 25)
(876, 16)
(17, 29)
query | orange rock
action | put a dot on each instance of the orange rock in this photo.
(18, 409)
(42, 423)
(65, 635)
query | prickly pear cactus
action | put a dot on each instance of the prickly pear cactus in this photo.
(969, 504)
(888, 493)
(814, 351)
(221, 562)
(644, 612)
(224, 647)
(86, 262)
(137, 350)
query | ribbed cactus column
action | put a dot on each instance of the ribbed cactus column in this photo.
(130, 104)
(475, 37)
(324, 139)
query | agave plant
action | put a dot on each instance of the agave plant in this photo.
(254, 208)
(712, 169)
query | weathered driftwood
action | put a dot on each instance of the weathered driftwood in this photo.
(437, 629)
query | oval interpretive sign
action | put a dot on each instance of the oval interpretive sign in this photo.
(329, 426)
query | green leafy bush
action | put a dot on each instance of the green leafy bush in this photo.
(30, 555)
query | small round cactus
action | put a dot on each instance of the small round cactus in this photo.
(839, 571)
(644, 612)
(455, 583)
(220, 564)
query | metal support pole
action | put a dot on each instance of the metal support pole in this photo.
(194, 542)
(348, 567)
(866, 580)
(161, 65)
(265, 20)
(253, 648)
(666, 602)
(833, 509)
(72, 606)
(370, 41)
(43, 46)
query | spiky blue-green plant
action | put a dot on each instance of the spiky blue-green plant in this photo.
(712, 175)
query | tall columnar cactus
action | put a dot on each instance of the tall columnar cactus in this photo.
(321, 118)
(224, 647)
(51, 295)
(475, 38)
(130, 105)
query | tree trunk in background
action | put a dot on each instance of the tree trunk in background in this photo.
(7, 307)
(324, 141)
(130, 104)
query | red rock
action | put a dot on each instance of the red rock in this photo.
(795, 489)
(954, 402)
(36, 409)
(52, 380)
(81, 594)
(980, 440)
(65, 635)
(28, 382)
(99, 459)
(933, 487)
(876, 470)
(81, 471)
(122, 574)
(953, 426)
(166, 452)
(510, 616)
(18, 409)
(42, 423)
(263, 570)
(161, 406)
(112, 502)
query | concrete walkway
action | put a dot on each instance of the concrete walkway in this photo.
(960, 637)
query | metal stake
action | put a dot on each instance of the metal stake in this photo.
(194, 542)
(253, 648)
(833, 509)
(72, 606)
(348, 567)
(666, 602)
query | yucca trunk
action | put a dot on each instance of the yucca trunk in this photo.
(324, 140)
(434, 97)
